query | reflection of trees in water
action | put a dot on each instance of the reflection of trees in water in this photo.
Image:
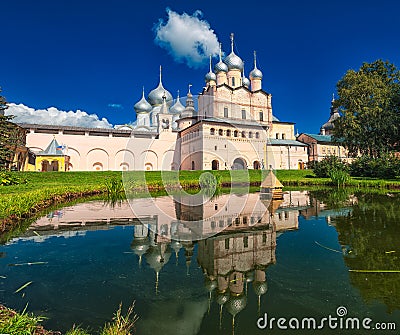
(334, 198)
(371, 232)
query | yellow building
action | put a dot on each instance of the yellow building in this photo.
(52, 158)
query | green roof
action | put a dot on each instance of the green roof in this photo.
(321, 138)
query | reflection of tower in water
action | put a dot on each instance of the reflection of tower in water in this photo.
(234, 259)
(236, 254)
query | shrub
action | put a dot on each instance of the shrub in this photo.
(387, 166)
(324, 168)
(339, 177)
(10, 178)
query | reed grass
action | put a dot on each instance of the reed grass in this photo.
(14, 323)
(76, 330)
(22, 323)
(121, 324)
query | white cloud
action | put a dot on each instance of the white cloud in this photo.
(54, 116)
(189, 39)
(116, 106)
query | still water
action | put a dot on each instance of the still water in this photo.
(210, 267)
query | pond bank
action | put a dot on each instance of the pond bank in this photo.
(42, 190)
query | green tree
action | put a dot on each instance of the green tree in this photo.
(3, 104)
(11, 136)
(369, 101)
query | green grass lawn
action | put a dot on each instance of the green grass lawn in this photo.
(45, 189)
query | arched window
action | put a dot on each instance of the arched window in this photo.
(235, 133)
(193, 165)
(243, 134)
(257, 135)
(220, 132)
(277, 136)
(215, 165)
(250, 134)
(256, 165)
(228, 132)
(283, 136)
(212, 131)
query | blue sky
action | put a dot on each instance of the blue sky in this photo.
(95, 56)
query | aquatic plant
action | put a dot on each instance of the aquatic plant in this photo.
(115, 191)
(114, 187)
(121, 324)
(339, 177)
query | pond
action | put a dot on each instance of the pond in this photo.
(194, 265)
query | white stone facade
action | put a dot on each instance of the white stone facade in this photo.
(234, 128)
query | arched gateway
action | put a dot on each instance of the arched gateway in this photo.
(239, 164)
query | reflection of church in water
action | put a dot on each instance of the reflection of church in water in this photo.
(236, 242)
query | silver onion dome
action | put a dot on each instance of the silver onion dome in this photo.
(245, 81)
(236, 304)
(156, 258)
(260, 288)
(210, 284)
(142, 106)
(233, 62)
(255, 73)
(222, 297)
(220, 66)
(155, 97)
(140, 245)
(249, 276)
(177, 107)
(210, 76)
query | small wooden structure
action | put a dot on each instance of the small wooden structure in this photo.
(52, 158)
(272, 187)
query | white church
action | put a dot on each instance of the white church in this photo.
(233, 128)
